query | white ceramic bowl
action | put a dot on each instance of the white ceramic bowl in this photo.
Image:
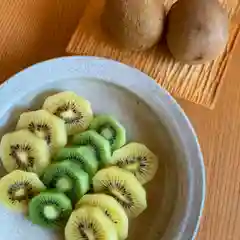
(150, 114)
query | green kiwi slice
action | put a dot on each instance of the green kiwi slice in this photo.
(138, 159)
(73, 109)
(23, 150)
(111, 208)
(18, 188)
(97, 142)
(46, 126)
(90, 223)
(84, 156)
(67, 177)
(50, 209)
(110, 129)
(124, 187)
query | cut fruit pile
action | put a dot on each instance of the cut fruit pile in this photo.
(90, 184)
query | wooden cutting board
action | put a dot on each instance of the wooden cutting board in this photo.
(199, 84)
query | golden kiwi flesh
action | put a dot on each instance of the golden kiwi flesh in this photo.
(197, 31)
(134, 24)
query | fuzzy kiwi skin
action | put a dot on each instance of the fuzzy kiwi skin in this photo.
(197, 31)
(134, 24)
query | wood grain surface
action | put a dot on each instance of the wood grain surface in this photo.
(200, 84)
(47, 35)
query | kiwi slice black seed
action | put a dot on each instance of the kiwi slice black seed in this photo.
(112, 209)
(124, 187)
(90, 223)
(46, 126)
(50, 209)
(23, 150)
(84, 156)
(17, 188)
(137, 159)
(67, 177)
(73, 109)
(110, 129)
(97, 142)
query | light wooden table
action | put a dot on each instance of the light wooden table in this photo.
(219, 130)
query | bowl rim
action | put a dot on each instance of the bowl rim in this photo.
(108, 71)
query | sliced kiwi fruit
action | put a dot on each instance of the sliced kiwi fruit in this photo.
(67, 177)
(111, 208)
(23, 150)
(50, 209)
(124, 187)
(18, 188)
(90, 222)
(137, 159)
(84, 156)
(92, 139)
(73, 109)
(46, 126)
(110, 129)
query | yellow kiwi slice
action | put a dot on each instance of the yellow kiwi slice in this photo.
(89, 222)
(73, 109)
(46, 126)
(18, 188)
(23, 150)
(124, 187)
(137, 159)
(111, 208)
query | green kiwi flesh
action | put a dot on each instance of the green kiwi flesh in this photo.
(90, 223)
(124, 187)
(84, 156)
(50, 209)
(67, 177)
(97, 142)
(110, 129)
(137, 159)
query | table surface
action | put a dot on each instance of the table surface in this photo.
(218, 129)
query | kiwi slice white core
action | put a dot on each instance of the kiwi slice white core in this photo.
(107, 133)
(19, 191)
(88, 231)
(64, 184)
(51, 212)
(69, 113)
(118, 191)
(120, 196)
(21, 154)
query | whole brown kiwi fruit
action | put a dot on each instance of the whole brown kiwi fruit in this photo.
(197, 30)
(134, 24)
